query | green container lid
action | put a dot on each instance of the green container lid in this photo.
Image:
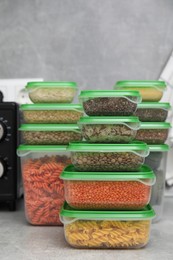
(145, 213)
(155, 105)
(108, 119)
(158, 147)
(143, 174)
(155, 125)
(49, 127)
(41, 107)
(108, 93)
(141, 84)
(51, 84)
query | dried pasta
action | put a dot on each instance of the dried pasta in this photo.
(107, 234)
(43, 190)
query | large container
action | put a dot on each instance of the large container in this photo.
(51, 92)
(152, 111)
(109, 103)
(107, 229)
(108, 157)
(149, 90)
(43, 189)
(108, 190)
(50, 133)
(157, 160)
(51, 113)
(153, 132)
(104, 129)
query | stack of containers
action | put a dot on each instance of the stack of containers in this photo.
(107, 188)
(153, 131)
(50, 123)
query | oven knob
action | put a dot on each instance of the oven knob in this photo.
(2, 168)
(2, 131)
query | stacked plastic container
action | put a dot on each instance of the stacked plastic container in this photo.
(107, 187)
(153, 131)
(50, 123)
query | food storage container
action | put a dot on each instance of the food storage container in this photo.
(106, 229)
(108, 129)
(51, 92)
(51, 113)
(108, 157)
(109, 103)
(43, 189)
(157, 160)
(108, 190)
(149, 90)
(153, 132)
(152, 111)
(50, 133)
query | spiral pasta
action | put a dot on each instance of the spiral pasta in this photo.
(43, 190)
(107, 234)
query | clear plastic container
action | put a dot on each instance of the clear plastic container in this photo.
(152, 111)
(149, 90)
(43, 189)
(109, 103)
(153, 132)
(36, 134)
(107, 229)
(104, 129)
(108, 190)
(51, 92)
(51, 113)
(157, 160)
(108, 157)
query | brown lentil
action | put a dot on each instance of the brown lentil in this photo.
(152, 136)
(151, 114)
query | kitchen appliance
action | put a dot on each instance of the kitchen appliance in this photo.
(10, 176)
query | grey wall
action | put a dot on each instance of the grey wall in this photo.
(93, 42)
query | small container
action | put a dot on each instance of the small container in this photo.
(108, 157)
(149, 90)
(108, 190)
(109, 103)
(50, 134)
(152, 111)
(157, 160)
(104, 129)
(51, 113)
(51, 92)
(107, 229)
(153, 132)
(43, 189)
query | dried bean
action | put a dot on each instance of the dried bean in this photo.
(152, 136)
(151, 114)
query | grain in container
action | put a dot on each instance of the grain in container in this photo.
(108, 190)
(109, 103)
(108, 157)
(107, 229)
(149, 90)
(106, 129)
(37, 134)
(43, 189)
(51, 113)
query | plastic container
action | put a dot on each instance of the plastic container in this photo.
(152, 111)
(109, 103)
(51, 92)
(149, 90)
(43, 189)
(107, 229)
(50, 134)
(157, 160)
(109, 129)
(108, 190)
(108, 157)
(153, 132)
(51, 113)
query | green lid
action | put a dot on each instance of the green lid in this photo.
(158, 147)
(145, 172)
(154, 105)
(108, 93)
(49, 127)
(155, 125)
(51, 84)
(108, 119)
(51, 107)
(142, 84)
(146, 213)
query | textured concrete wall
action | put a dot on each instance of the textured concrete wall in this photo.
(93, 42)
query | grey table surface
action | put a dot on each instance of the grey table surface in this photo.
(19, 240)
